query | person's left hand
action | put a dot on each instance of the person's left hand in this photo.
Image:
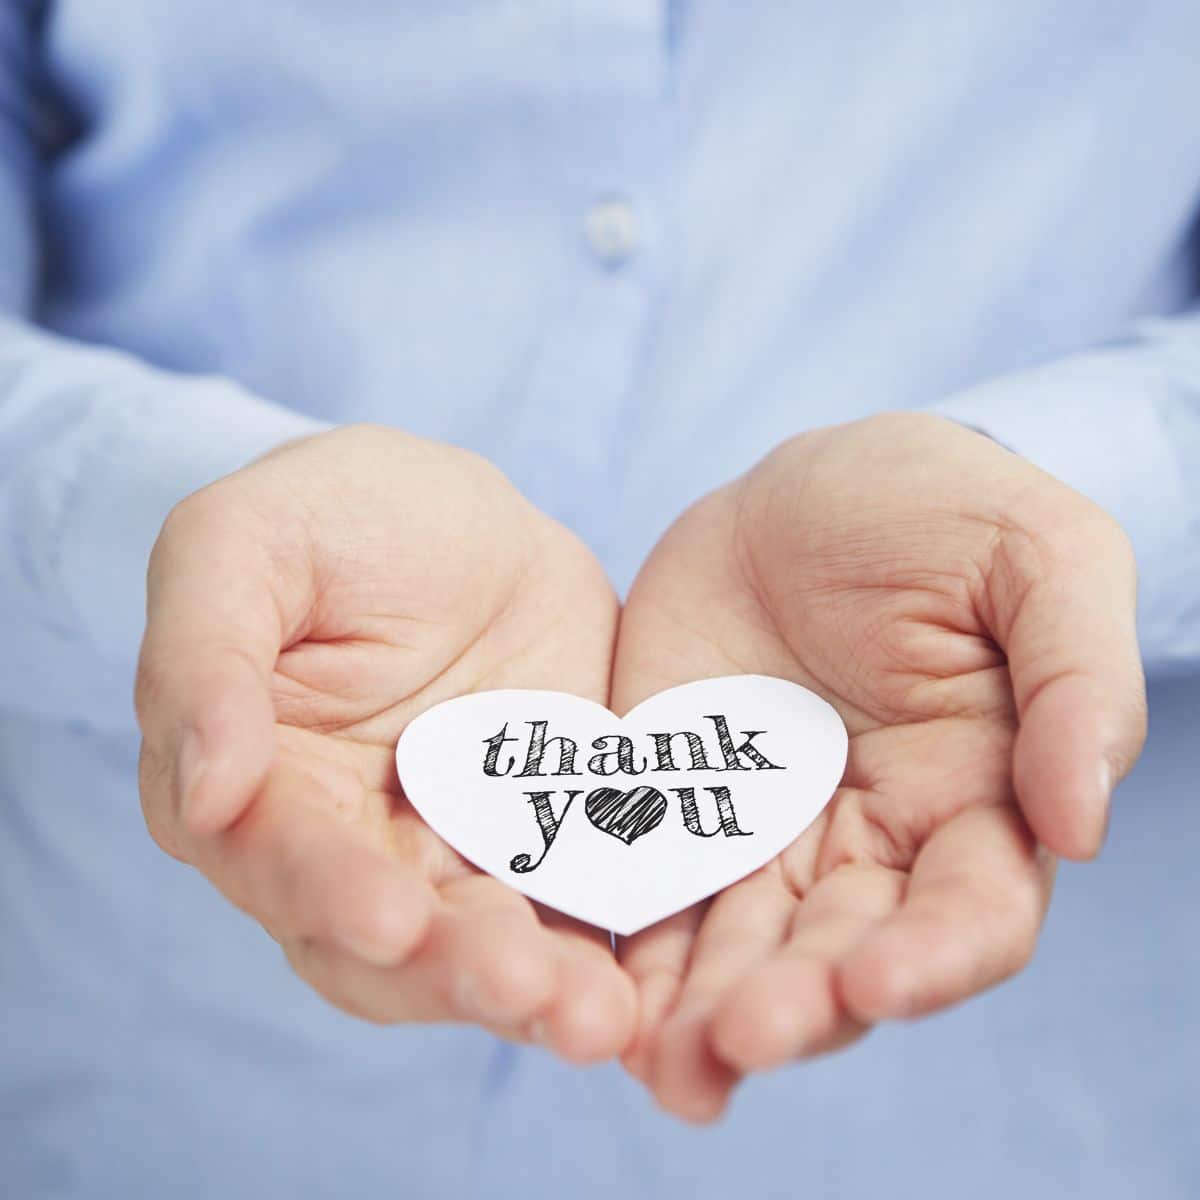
(972, 620)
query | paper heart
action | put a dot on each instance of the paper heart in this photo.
(623, 821)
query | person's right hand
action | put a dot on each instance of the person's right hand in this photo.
(301, 611)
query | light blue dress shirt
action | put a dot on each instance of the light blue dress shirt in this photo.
(621, 247)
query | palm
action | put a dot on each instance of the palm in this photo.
(920, 883)
(342, 698)
(410, 579)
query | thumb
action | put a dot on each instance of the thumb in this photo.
(214, 630)
(686, 616)
(1065, 614)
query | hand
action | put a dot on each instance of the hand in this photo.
(301, 612)
(972, 620)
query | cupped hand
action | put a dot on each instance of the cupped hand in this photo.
(302, 611)
(972, 620)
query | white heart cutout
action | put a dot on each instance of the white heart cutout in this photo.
(655, 823)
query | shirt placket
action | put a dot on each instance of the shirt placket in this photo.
(614, 132)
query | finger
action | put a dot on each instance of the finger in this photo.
(742, 927)
(656, 960)
(305, 874)
(213, 632)
(485, 961)
(688, 615)
(381, 995)
(976, 899)
(488, 957)
(1065, 615)
(790, 1006)
(594, 1014)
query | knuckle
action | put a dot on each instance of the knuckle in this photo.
(1125, 555)
(186, 514)
(1134, 724)
(1078, 522)
(160, 835)
(488, 479)
(149, 686)
(1100, 529)
(903, 435)
(1122, 543)
(511, 996)
(1023, 940)
(1018, 936)
(144, 687)
(154, 782)
(1072, 532)
(1004, 917)
(291, 877)
(904, 422)
(292, 892)
(372, 440)
(358, 430)
(187, 523)
(318, 967)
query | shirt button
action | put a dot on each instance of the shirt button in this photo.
(610, 226)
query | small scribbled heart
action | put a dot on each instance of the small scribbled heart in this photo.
(625, 815)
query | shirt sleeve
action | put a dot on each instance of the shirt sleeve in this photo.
(95, 449)
(1121, 424)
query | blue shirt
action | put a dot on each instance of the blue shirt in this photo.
(621, 247)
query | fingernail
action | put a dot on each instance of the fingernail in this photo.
(190, 770)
